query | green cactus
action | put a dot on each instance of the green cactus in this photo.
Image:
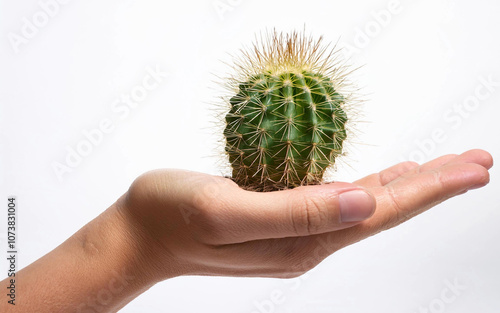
(287, 122)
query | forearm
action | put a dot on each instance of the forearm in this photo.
(99, 269)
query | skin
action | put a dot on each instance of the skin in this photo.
(172, 223)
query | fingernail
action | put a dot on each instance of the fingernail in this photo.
(355, 206)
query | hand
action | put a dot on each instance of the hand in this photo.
(173, 223)
(195, 223)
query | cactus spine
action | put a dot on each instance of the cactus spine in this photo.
(287, 117)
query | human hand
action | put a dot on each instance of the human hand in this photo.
(198, 224)
(173, 223)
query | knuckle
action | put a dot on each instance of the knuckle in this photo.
(399, 216)
(438, 178)
(309, 214)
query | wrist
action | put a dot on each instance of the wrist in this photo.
(113, 253)
(101, 268)
(146, 255)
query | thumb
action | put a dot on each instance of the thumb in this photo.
(302, 211)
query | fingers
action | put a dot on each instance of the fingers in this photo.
(411, 195)
(387, 175)
(299, 212)
(476, 156)
(437, 162)
(419, 192)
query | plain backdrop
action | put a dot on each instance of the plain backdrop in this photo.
(429, 70)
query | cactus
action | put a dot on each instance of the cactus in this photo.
(287, 117)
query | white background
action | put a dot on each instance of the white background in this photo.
(421, 64)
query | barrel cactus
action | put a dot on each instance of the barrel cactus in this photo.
(286, 123)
